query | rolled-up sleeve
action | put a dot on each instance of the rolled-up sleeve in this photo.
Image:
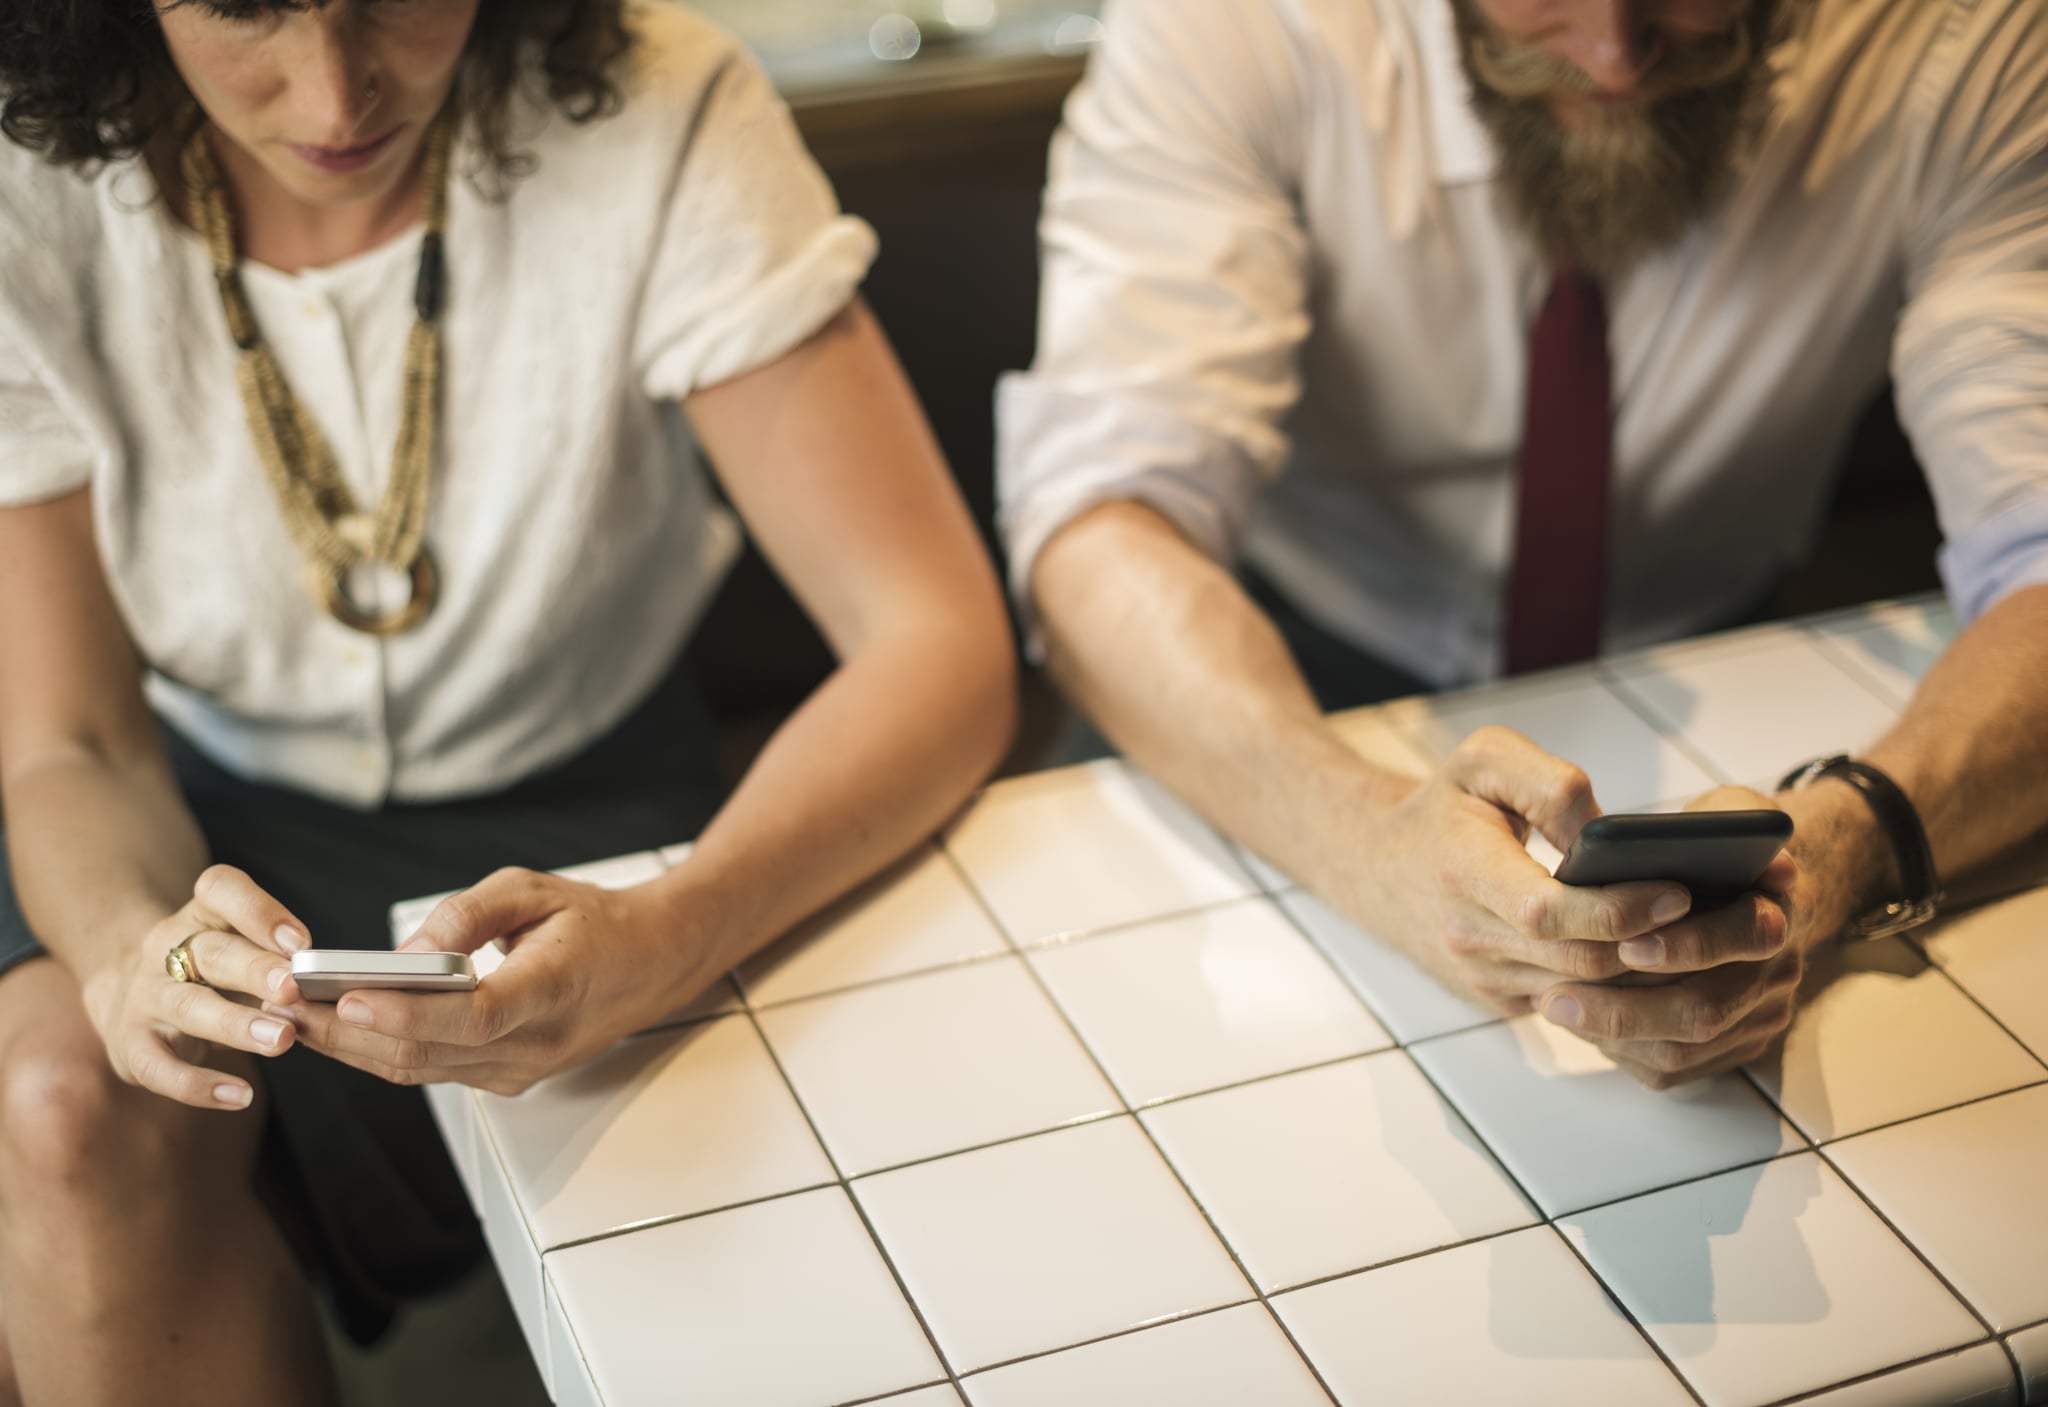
(1970, 360)
(1174, 301)
(42, 455)
(754, 255)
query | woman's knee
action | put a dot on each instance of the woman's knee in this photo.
(69, 1128)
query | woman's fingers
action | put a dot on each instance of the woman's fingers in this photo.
(197, 1010)
(155, 1065)
(228, 962)
(224, 897)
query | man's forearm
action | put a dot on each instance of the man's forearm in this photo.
(99, 851)
(1971, 749)
(1191, 681)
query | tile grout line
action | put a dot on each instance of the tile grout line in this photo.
(1162, 1322)
(1613, 1296)
(1931, 1113)
(839, 1174)
(1845, 661)
(1922, 1256)
(1610, 679)
(1913, 945)
(1811, 1393)
(1160, 1153)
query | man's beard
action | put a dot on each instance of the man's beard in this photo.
(1630, 179)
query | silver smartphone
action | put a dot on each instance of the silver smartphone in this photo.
(323, 974)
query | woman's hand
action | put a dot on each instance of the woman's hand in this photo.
(586, 966)
(158, 1031)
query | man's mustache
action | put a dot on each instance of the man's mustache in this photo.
(1525, 71)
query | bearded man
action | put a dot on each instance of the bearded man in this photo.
(1482, 335)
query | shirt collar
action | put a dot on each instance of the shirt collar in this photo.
(1460, 149)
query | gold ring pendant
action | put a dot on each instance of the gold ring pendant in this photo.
(426, 585)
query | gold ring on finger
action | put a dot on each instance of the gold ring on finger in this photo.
(180, 963)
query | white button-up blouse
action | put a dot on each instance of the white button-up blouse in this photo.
(682, 242)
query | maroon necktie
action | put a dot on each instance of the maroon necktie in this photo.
(1557, 586)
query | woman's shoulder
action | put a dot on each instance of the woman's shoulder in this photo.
(50, 234)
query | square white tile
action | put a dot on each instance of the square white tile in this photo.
(1882, 1036)
(1515, 1319)
(1087, 848)
(918, 916)
(1335, 1169)
(780, 1304)
(512, 1252)
(1575, 717)
(1577, 1131)
(1232, 1358)
(1757, 712)
(1205, 1000)
(1048, 1242)
(617, 872)
(1770, 1281)
(1894, 644)
(569, 1381)
(936, 1063)
(1999, 955)
(1976, 1377)
(660, 1126)
(1411, 1003)
(2030, 1349)
(1969, 1188)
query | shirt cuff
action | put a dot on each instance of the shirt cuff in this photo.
(2004, 553)
(1061, 454)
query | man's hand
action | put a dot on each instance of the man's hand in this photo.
(586, 967)
(1460, 891)
(1716, 989)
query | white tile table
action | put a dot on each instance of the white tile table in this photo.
(1083, 1105)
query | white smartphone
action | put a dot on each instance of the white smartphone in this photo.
(323, 974)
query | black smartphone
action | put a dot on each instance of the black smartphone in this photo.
(1716, 854)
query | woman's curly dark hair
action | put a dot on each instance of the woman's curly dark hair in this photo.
(89, 81)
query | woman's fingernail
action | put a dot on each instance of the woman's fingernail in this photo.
(1563, 1012)
(277, 976)
(234, 1096)
(267, 1032)
(290, 939)
(355, 1013)
(1671, 905)
(1643, 952)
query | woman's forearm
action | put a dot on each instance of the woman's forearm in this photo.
(99, 850)
(875, 761)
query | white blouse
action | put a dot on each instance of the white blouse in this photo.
(1285, 306)
(680, 243)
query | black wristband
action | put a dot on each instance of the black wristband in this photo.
(1901, 826)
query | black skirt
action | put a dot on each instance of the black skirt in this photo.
(362, 1161)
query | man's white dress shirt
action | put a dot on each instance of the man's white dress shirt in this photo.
(683, 242)
(1285, 305)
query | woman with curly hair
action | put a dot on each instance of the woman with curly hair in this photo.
(354, 357)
